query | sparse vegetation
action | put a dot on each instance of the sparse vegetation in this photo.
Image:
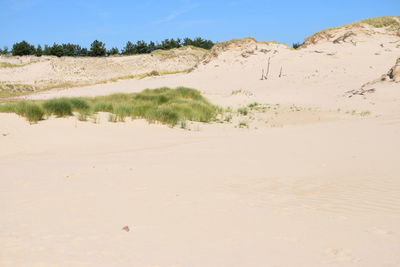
(165, 105)
(392, 23)
(243, 124)
(9, 65)
(228, 118)
(243, 111)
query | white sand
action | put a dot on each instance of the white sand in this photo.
(311, 192)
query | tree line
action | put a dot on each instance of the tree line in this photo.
(98, 48)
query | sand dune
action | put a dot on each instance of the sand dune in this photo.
(313, 181)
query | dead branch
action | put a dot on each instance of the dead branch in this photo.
(269, 64)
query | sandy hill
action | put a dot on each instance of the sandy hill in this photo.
(30, 73)
(310, 176)
(330, 63)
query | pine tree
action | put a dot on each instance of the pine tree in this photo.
(39, 51)
(23, 49)
(113, 51)
(97, 49)
(129, 48)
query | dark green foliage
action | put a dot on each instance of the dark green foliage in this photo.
(97, 49)
(39, 51)
(4, 51)
(56, 50)
(113, 51)
(198, 42)
(129, 49)
(141, 47)
(23, 49)
(297, 45)
(60, 107)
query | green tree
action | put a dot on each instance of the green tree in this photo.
(4, 51)
(57, 50)
(97, 49)
(152, 46)
(39, 51)
(141, 47)
(129, 48)
(113, 51)
(46, 50)
(23, 49)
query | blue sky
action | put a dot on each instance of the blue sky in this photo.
(116, 22)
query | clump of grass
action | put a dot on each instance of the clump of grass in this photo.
(60, 107)
(154, 73)
(365, 113)
(243, 111)
(243, 124)
(82, 116)
(183, 124)
(228, 118)
(112, 118)
(31, 111)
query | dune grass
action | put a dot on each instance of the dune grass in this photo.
(164, 105)
(389, 22)
(393, 23)
(31, 111)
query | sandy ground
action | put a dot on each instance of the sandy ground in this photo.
(319, 186)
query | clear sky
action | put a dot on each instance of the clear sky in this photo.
(115, 22)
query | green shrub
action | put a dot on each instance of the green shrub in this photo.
(60, 107)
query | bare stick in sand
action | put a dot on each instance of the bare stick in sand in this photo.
(269, 63)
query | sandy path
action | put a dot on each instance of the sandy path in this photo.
(318, 195)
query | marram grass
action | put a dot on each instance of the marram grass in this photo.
(164, 105)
